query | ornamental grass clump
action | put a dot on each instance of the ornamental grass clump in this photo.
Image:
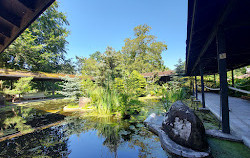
(172, 92)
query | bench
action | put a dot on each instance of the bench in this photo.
(31, 96)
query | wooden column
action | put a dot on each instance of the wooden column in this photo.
(196, 88)
(193, 85)
(222, 66)
(11, 84)
(233, 78)
(214, 81)
(202, 87)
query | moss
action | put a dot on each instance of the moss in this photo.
(227, 149)
(72, 105)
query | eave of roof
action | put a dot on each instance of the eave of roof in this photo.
(16, 16)
(204, 18)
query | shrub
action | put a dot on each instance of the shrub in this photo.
(71, 87)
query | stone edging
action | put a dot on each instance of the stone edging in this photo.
(224, 136)
(170, 145)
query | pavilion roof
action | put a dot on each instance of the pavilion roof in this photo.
(16, 16)
(163, 73)
(9, 74)
(204, 19)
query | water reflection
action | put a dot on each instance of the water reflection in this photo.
(75, 136)
(51, 142)
(25, 120)
(84, 137)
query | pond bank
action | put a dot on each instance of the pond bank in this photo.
(239, 115)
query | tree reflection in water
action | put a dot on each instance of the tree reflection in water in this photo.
(120, 137)
(51, 142)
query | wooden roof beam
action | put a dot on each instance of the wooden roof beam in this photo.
(32, 5)
(213, 33)
(191, 35)
(5, 32)
(10, 17)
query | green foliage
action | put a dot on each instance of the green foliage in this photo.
(88, 87)
(19, 123)
(134, 84)
(172, 91)
(180, 67)
(71, 87)
(23, 85)
(143, 53)
(120, 96)
(106, 100)
(41, 47)
(108, 67)
(118, 82)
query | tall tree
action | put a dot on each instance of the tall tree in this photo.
(109, 67)
(180, 67)
(143, 53)
(42, 47)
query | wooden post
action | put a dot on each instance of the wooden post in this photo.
(11, 84)
(196, 88)
(53, 91)
(214, 81)
(202, 87)
(233, 78)
(222, 65)
(193, 85)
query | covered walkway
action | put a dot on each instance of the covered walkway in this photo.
(239, 114)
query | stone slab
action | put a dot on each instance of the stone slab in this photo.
(224, 136)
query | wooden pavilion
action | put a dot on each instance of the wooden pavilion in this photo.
(218, 40)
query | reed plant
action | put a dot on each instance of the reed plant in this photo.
(172, 92)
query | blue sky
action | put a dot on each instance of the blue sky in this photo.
(96, 24)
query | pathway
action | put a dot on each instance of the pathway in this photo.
(239, 114)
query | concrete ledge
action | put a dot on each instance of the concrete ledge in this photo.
(224, 136)
(204, 110)
(154, 125)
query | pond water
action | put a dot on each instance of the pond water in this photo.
(71, 135)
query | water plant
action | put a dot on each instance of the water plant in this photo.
(172, 91)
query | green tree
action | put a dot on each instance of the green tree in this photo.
(134, 84)
(180, 67)
(22, 86)
(71, 87)
(108, 68)
(143, 53)
(41, 47)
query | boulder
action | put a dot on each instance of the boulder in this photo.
(184, 127)
(83, 101)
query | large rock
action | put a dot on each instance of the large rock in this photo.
(184, 127)
(83, 101)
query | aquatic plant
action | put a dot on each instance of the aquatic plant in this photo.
(172, 92)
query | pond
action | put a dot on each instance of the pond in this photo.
(72, 135)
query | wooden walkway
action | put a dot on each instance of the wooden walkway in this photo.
(239, 114)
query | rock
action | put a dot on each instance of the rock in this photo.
(184, 127)
(83, 101)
